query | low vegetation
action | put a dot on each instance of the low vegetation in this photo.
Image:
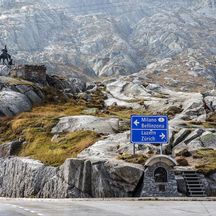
(17, 81)
(40, 145)
(137, 158)
(207, 161)
(35, 128)
(173, 110)
(211, 121)
(123, 113)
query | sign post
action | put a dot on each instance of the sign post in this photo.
(149, 130)
(161, 149)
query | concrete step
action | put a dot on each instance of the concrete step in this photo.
(196, 191)
(195, 195)
(195, 188)
(193, 182)
(190, 174)
(194, 185)
(194, 177)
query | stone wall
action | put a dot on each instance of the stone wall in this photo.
(33, 73)
(151, 188)
(76, 178)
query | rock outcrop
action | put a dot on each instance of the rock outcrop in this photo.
(18, 96)
(87, 122)
(10, 148)
(113, 146)
(207, 140)
(12, 103)
(21, 177)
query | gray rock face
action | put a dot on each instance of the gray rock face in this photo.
(34, 96)
(190, 142)
(193, 108)
(4, 70)
(210, 184)
(18, 96)
(114, 145)
(182, 188)
(69, 86)
(180, 150)
(207, 140)
(21, 177)
(196, 133)
(9, 149)
(114, 178)
(181, 135)
(12, 103)
(211, 102)
(32, 179)
(86, 122)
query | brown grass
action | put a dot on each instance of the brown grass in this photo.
(35, 127)
(137, 158)
(207, 161)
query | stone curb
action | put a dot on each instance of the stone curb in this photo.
(114, 199)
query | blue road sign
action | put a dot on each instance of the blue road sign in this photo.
(149, 129)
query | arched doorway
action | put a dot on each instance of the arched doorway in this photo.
(160, 175)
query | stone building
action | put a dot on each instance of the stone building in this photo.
(159, 177)
(33, 73)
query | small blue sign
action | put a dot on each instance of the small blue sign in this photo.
(149, 129)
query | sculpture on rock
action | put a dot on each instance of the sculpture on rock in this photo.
(6, 57)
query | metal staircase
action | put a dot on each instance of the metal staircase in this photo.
(194, 185)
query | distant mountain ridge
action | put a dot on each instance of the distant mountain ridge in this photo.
(107, 37)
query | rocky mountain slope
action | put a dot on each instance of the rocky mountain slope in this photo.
(113, 59)
(90, 122)
(64, 34)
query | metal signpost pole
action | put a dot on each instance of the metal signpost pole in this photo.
(161, 149)
(134, 149)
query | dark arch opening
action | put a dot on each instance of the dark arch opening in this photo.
(160, 175)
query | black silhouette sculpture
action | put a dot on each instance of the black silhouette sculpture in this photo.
(6, 57)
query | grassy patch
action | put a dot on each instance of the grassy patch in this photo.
(97, 100)
(123, 113)
(210, 121)
(173, 110)
(39, 145)
(137, 158)
(43, 117)
(35, 127)
(207, 158)
(16, 81)
(6, 133)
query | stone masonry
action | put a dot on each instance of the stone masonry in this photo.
(33, 73)
(153, 188)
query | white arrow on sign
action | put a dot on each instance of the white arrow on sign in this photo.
(162, 136)
(136, 122)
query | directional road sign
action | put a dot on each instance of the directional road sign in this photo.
(149, 129)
